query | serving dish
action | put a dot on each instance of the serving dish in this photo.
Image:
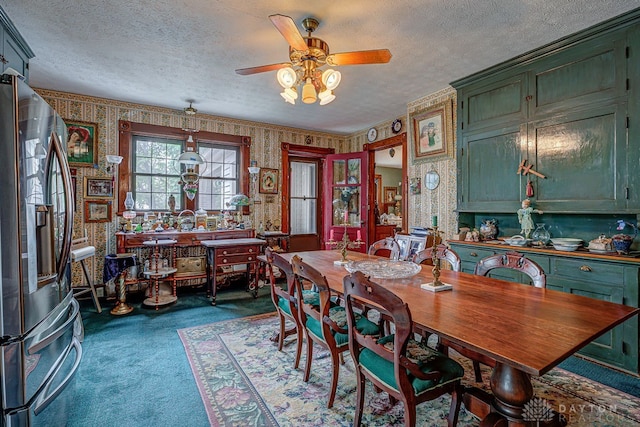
(384, 269)
(517, 240)
(566, 247)
(566, 241)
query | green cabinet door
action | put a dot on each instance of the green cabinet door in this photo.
(487, 165)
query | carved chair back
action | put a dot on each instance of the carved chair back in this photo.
(515, 261)
(385, 247)
(425, 256)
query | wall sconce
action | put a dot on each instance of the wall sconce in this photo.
(254, 170)
(113, 161)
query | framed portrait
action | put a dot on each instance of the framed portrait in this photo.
(432, 131)
(98, 188)
(390, 194)
(268, 180)
(97, 211)
(82, 144)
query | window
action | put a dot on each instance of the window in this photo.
(220, 179)
(150, 172)
(304, 198)
(155, 175)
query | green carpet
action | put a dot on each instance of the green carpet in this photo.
(134, 371)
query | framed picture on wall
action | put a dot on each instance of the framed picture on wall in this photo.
(268, 181)
(432, 131)
(82, 144)
(97, 211)
(98, 188)
(390, 194)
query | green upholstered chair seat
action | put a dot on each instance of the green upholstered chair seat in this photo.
(309, 297)
(427, 358)
(338, 315)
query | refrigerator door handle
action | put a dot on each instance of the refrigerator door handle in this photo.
(61, 156)
(45, 397)
(39, 344)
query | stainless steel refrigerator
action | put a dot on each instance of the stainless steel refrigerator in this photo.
(40, 323)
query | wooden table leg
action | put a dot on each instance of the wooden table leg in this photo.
(512, 390)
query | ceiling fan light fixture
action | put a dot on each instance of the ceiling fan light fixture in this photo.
(309, 95)
(331, 78)
(326, 96)
(287, 77)
(289, 95)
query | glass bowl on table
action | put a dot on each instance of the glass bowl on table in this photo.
(384, 268)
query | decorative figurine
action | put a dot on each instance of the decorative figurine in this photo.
(524, 218)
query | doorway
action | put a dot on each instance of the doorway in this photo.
(301, 202)
(388, 187)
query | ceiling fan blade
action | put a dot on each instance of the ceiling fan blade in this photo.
(289, 31)
(377, 56)
(262, 68)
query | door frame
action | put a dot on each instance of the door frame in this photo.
(385, 144)
(289, 150)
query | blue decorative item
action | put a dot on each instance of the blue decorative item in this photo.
(626, 232)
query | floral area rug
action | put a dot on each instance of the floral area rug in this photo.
(245, 381)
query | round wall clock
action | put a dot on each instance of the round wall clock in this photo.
(396, 126)
(372, 134)
(431, 180)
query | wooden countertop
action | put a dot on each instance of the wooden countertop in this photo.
(633, 258)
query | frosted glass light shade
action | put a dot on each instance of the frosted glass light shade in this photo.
(308, 93)
(286, 77)
(331, 78)
(326, 96)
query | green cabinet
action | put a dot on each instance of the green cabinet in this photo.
(611, 279)
(563, 108)
(14, 50)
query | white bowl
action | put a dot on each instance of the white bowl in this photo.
(566, 241)
(517, 240)
(566, 247)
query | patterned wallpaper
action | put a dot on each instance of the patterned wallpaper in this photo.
(265, 149)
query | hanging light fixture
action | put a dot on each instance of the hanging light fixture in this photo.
(188, 161)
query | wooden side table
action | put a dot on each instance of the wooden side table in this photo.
(157, 270)
(232, 252)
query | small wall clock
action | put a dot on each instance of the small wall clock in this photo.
(396, 126)
(372, 134)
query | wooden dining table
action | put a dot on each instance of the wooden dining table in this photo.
(525, 330)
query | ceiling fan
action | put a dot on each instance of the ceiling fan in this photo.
(307, 55)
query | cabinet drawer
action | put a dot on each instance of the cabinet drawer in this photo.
(238, 250)
(235, 258)
(586, 270)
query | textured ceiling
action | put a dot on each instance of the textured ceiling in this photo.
(166, 52)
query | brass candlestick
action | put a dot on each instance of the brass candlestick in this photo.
(436, 285)
(344, 244)
(435, 259)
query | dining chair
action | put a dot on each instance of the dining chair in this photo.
(514, 261)
(285, 300)
(425, 256)
(385, 247)
(325, 324)
(406, 369)
(511, 260)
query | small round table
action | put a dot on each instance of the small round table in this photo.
(155, 272)
(117, 266)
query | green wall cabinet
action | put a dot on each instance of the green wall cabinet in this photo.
(14, 50)
(563, 108)
(609, 279)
